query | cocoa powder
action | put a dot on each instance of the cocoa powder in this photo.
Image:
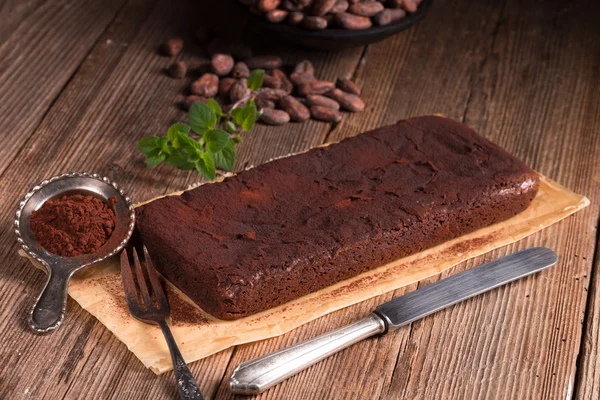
(73, 225)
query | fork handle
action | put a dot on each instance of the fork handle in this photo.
(186, 384)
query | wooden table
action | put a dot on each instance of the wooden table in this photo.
(80, 83)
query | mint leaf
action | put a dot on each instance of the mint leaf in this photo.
(245, 116)
(148, 144)
(225, 158)
(230, 126)
(153, 159)
(216, 140)
(202, 118)
(206, 166)
(179, 161)
(175, 130)
(215, 107)
(255, 79)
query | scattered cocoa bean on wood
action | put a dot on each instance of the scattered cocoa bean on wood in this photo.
(322, 101)
(173, 46)
(286, 84)
(178, 69)
(207, 85)
(315, 87)
(224, 87)
(274, 117)
(191, 99)
(349, 102)
(264, 62)
(325, 114)
(239, 90)
(240, 70)
(347, 86)
(352, 22)
(221, 64)
(262, 102)
(298, 112)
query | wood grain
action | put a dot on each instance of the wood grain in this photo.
(525, 74)
(13, 12)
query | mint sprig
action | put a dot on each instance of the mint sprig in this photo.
(208, 142)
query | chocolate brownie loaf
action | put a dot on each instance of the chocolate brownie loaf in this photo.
(298, 224)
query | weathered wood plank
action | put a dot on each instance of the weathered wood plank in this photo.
(38, 59)
(12, 13)
(118, 95)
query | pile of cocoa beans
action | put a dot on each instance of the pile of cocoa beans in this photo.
(295, 96)
(323, 14)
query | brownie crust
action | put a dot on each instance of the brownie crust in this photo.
(298, 224)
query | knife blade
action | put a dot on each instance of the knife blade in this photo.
(256, 376)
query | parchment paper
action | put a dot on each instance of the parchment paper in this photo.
(98, 289)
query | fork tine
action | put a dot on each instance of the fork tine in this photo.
(157, 288)
(142, 281)
(128, 282)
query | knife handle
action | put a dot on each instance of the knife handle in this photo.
(256, 376)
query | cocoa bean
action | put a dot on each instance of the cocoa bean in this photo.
(191, 99)
(322, 7)
(218, 46)
(322, 101)
(315, 87)
(297, 111)
(221, 64)
(347, 86)
(329, 18)
(339, 6)
(207, 85)
(240, 70)
(173, 46)
(394, 3)
(304, 3)
(267, 5)
(366, 9)
(286, 84)
(301, 77)
(305, 66)
(178, 69)
(240, 50)
(295, 18)
(264, 62)
(314, 23)
(271, 82)
(276, 16)
(290, 5)
(352, 22)
(409, 6)
(325, 114)
(239, 90)
(224, 87)
(348, 101)
(353, 1)
(274, 117)
(271, 94)
(262, 102)
(388, 16)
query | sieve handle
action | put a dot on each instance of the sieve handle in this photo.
(49, 310)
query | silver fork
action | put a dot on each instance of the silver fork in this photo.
(153, 307)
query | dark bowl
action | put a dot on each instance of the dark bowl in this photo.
(333, 39)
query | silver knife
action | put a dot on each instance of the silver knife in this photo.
(256, 376)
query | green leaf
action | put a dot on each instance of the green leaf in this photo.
(216, 140)
(245, 116)
(202, 118)
(175, 130)
(225, 158)
(237, 139)
(215, 107)
(179, 161)
(230, 127)
(255, 79)
(206, 166)
(148, 144)
(152, 160)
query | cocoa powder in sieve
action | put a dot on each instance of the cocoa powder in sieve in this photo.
(73, 225)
